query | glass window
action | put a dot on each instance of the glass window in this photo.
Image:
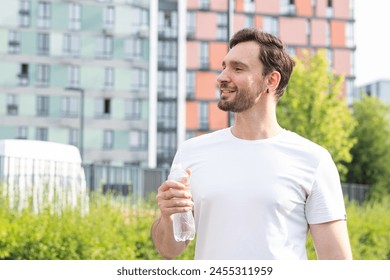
(42, 105)
(108, 139)
(41, 133)
(166, 145)
(24, 13)
(349, 35)
(204, 4)
(73, 76)
(287, 7)
(167, 114)
(327, 33)
(270, 25)
(73, 137)
(71, 45)
(70, 106)
(139, 80)
(167, 84)
(222, 26)
(167, 24)
(22, 132)
(43, 74)
(190, 84)
(167, 54)
(104, 47)
(109, 17)
(74, 16)
(102, 108)
(203, 115)
(329, 8)
(133, 47)
(44, 14)
(191, 25)
(108, 78)
(13, 42)
(204, 55)
(133, 109)
(43, 43)
(23, 75)
(249, 6)
(12, 104)
(138, 140)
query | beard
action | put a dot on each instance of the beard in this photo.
(242, 101)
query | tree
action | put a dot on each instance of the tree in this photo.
(313, 107)
(371, 154)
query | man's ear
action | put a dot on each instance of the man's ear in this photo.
(273, 81)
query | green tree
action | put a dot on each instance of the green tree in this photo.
(313, 107)
(371, 154)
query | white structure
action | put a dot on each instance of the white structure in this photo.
(46, 174)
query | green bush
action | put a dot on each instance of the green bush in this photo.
(114, 230)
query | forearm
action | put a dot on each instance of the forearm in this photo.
(162, 236)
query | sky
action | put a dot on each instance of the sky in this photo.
(372, 38)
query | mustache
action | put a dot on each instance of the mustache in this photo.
(224, 86)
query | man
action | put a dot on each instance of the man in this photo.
(257, 189)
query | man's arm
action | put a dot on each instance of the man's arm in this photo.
(331, 240)
(172, 197)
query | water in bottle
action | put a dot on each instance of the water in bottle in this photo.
(183, 223)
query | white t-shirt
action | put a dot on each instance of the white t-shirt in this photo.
(255, 199)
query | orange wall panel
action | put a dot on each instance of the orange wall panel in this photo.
(206, 25)
(341, 61)
(239, 6)
(239, 22)
(341, 9)
(192, 54)
(337, 31)
(318, 32)
(218, 51)
(205, 85)
(221, 5)
(259, 22)
(268, 7)
(304, 7)
(217, 118)
(192, 115)
(321, 8)
(293, 30)
(192, 4)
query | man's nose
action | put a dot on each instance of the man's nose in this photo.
(223, 77)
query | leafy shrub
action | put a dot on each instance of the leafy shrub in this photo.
(114, 230)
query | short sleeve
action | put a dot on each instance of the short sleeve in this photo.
(325, 202)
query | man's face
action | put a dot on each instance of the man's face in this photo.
(241, 80)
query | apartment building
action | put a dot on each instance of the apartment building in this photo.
(379, 89)
(81, 73)
(128, 80)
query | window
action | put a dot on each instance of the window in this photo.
(23, 75)
(22, 132)
(108, 78)
(134, 47)
(349, 35)
(43, 74)
(190, 84)
(167, 114)
(222, 26)
(166, 145)
(104, 47)
(167, 54)
(140, 17)
(203, 115)
(24, 13)
(191, 25)
(167, 84)
(102, 108)
(204, 55)
(41, 134)
(133, 109)
(270, 25)
(12, 104)
(70, 106)
(249, 20)
(204, 4)
(287, 7)
(71, 45)
(73, 76)
(43, 43)
(109, 17)
(329, 8)
(249, 6)
(108, 139)
(329, 54)
(74, 16)
(327, 33)
(13, 42)
(44, 14)
(352, 63)
(42, 105)
(73, 137)
(138, 140)
(140, 79)
(167, 24)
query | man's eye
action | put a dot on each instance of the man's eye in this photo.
(237, 69)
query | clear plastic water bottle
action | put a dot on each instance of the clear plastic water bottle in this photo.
(183, 223)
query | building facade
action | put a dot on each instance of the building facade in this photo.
(128, 80)
(379, 89)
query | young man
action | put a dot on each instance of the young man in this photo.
(256, 188)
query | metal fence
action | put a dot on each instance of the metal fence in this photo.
(124, 180)
(356, 192)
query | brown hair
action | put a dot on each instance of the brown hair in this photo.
(273, 54)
